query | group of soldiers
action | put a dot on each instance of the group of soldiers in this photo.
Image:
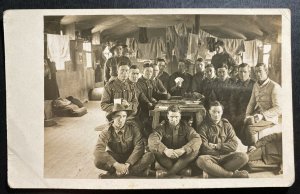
(237, 108)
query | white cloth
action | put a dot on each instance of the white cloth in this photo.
(58, 49)
(251, 52)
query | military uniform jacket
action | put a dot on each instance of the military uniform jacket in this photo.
(146, 86)
(117, 89)
(164, 78)
(221, 133)
(181, 136)
(197, 82)
(129, 143)
(224, 57)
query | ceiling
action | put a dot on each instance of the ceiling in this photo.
(246, 27)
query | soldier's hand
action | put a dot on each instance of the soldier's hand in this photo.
(179, 152)
(170, 153)
(212, 145)
(120, 168)
(125, 103)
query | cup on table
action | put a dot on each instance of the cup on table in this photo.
(118, 101)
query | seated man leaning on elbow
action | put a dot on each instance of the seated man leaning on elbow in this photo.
(174, 144)
(218, 156)
(120, 148)
(263, 108)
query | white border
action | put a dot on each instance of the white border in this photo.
(23, 31)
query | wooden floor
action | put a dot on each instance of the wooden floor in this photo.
(69, 146)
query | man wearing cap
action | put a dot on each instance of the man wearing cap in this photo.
(162, 75)
(119, 91)
(264, 107)
(160, 92)
(180, 82)
(120, 148)
(218, 156)
(175, 144)
(110, 67)
(222, 56)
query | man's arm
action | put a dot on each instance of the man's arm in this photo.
(231, 142)
(154, 140)
(100, 151)
(107, 70)
(106, 104)
(138, 144)
(205, 148)
(194, 141)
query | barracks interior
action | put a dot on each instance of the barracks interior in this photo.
(162, 96)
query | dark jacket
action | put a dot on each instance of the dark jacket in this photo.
(164, 78)
(117, 89)
(146, 86)
(221, 134)
(181, 136)
(224, 57)
(186, 84)
(197, 82)
(130, 144)
(111, 66)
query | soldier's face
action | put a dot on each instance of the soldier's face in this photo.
(261, 73)
(134, 75)
(174, 117)
(182, 67)
(148, 72)
(209, 72)
(123, 72)
(118, 50)
(161, 65)
(219, 49)
(155, 70)
(119, 119)
(216, 113)
(200, 66)
(222, 73)
(244, 73)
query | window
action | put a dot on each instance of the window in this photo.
(87, 48)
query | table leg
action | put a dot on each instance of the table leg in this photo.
(155, 121)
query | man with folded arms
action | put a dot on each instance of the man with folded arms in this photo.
(218, 156)
(175, 145)
(120, 148)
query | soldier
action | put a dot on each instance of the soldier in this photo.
(174, 144)
(199, 76)
(162, 75)
(125, 154)
(119, 91)
(218, 156)
(264, 106)
(111, 65)
(180, 82)
(160, 92)
(222, 57)
(240, 97)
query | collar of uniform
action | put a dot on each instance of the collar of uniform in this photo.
(219, 124)
(143, 78)
(264, 83)
(130, 82)
(119, 130)
(120, 82)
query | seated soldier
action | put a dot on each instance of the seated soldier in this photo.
(268, 150)
(180, 82)
(119, 90)
(199, 76)
(162, 75)
(264, 106)
(120, 148)
(160, 92)
(218, 156)
(174, 144)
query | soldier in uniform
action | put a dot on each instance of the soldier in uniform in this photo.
(218, 156)
(119, 91)
(199, 76)
(162, 75)
(160, 92)
(120, 149)
(240, 97)
(111, 65)
(174, 144)
(183, 87)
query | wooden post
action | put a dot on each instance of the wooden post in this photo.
(197, 24)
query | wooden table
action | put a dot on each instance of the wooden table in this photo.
(187, 108)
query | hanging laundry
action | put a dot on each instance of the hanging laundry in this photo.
(234, 46)
(132, 47)
(58, 50)
(177, 41)
(152, 50)
(211, 43)
(251, 52)
(196, 47)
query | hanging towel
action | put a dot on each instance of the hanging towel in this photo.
(177, 41)
(251, 52)
(152, 50)
(196, 47)
(234, 46)
(58, 49)
(143, 38)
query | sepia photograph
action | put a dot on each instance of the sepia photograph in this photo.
(143, 96)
